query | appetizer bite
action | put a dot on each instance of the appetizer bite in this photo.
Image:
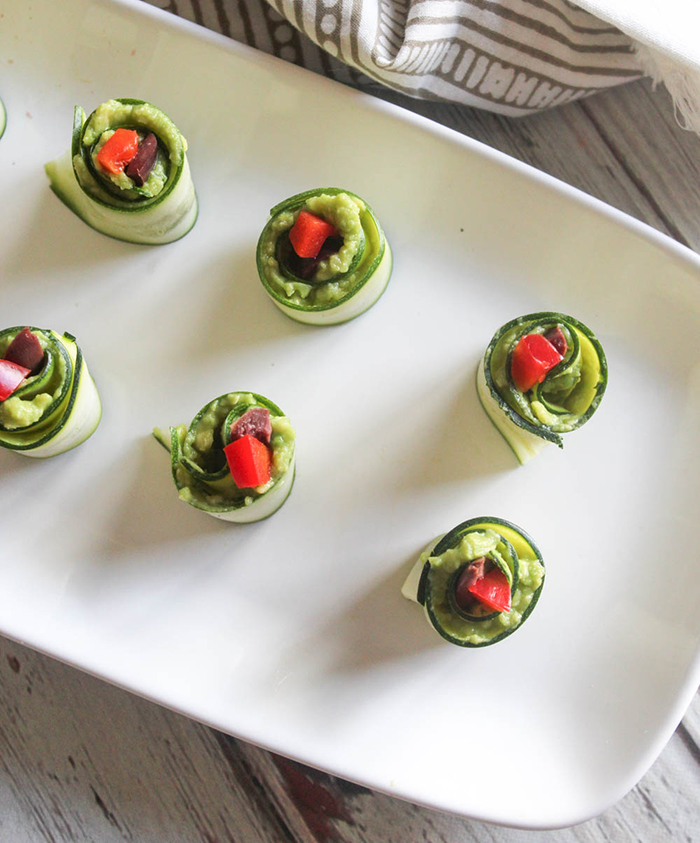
(3, 118)
(542, 375)
(236, 459)
(126, 173)
(478, 583)
(48, 400)
(323, 257)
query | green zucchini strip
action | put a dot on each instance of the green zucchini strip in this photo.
(162, 209)
(342, 286)
(56, 409)
(3, 118)
(431, 582)
(567, 397)
(200, 469)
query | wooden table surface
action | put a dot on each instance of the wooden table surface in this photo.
(81, 760)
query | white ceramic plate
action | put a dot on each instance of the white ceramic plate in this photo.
(292, 633)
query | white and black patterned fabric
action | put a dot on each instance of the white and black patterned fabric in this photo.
(510, 56)
(514, 57)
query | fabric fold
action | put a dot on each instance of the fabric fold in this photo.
(513, 57)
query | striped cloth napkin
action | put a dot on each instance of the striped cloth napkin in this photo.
(514, 57)
(510, 56)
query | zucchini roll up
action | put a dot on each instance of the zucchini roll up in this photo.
(126, 173)
(479, 583)
(236, 459)
(48, 400)
(323, 257)
(3, 118)
(542, 375)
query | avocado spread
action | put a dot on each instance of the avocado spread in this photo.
(143, 118)
(336, 276)
(506, 548)
(39, 394)
(556, 387)
(201, 471)
(566, 393)
(128, 189)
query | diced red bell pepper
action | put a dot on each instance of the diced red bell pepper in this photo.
(492, 590)
(249, 462)
(309, 233)
(118, 150)
(11, 376)
(533, 357)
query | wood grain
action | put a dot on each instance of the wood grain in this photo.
(81, 760)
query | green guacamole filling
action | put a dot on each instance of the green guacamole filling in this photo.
(39, 395)
(567, 391)
(143, 118)
(336, 276)
(128, 189)
(201, 471)
(497, 542)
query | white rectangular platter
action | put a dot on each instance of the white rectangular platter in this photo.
(292, 633)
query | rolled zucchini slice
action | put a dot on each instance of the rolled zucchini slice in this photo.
(563, 399)
(488, 544)
(3, 118)
(345, 278)
(57, 407)
(147, 198)
(201, 470)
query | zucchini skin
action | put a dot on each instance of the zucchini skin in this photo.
(204, 487)
(3, 118)
(419, 585)
(156, 220)
(522, 429)
(366, 289)
(73, 415)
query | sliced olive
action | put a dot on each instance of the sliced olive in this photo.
(25, 350)
(140, 166)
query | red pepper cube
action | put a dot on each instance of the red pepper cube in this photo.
(492, 590)
(11, 376)
(119, 150)
(249, 462)
(533, 357)
(309, 233)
